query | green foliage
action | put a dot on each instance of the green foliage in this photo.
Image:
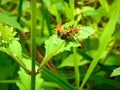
(115, 72)
(24, 79)
(54, 46)
(16, 48)
(7, 66)
(69, 61)
(10, 45)
(104, 39)
(104, 4)
(83, 33)
(8, 70)
(83, 56)
(57, 79)
(9, 20)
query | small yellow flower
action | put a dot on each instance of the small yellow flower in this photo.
(6, 35)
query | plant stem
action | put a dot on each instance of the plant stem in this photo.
(72, 8)
(19, 10)
(8, 81)
(76, 68)
(33, 41)
(82, 3)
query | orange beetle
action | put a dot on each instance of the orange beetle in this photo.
(59, 29)
(66, 34)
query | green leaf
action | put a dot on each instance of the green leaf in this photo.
(71, 44)
(3, 49)
(57, 79)
(9, 20)
(24, 81)
(55, 45)
(104, 4)
(117, 34)
(112, 60)
(104, 40)
(47, 3)
(59, 6)
(115, 72)
(68, 10)
(16, 48)
(99, 80)
(69, 61)
(53, 10)
(84, 33)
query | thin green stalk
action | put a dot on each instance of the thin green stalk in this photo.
(33, 41)
(76, 68)
(19, 10)
(95, 3)
(8, 81)
(72, 8)
(82, 3)
(104, 40)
